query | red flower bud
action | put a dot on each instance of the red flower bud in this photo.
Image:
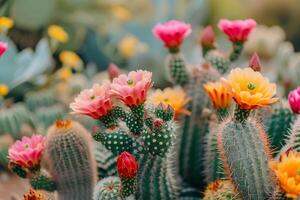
(113, 71)
(207, 37)
(255, 62)
(126, 165)
(158, 123)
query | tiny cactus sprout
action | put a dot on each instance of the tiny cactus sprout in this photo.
(287, 171)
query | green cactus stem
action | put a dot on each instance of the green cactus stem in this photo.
(245, 153)
(178, 70)
(218, 60)
(128, 186)
(240, 114)
(236, 51)
(43, 182)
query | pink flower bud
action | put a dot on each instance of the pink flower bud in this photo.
(207, 38)
(3, 48)
(294, 100)
(113, 71)
(255, 63)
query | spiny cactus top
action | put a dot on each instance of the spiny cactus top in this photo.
(249, 89)
(220, 189)
(3, 48)
(94, 102)
(174, 97)
(287, 170)
(172, 33)
(27, 152)
(126, 165)
(132, 89)
(237, 30)
(58, 34)
(33, 195)
(294, 100)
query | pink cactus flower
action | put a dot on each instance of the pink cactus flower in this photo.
(132, 88)
(95, 102)
(207, 37)
(3, 48)
(172, 33)
(113, 71)
(294, 100)
(27, 152)
(237, 30)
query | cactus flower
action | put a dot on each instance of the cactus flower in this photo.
(6, 23)
(132, 89)
(3, 48)
(172, 33)
(27, 152)
(237, 30)
(126, 165)
(70, 59)
(58, 33)
(33, 195)
(207, 38)
(255, 63)
(113, 71)
(287, 172)
(3, 90)
(294, 100)
(218, 95)
(95, 102)
(174, 97)
(249, 89)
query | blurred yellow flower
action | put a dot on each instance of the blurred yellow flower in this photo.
(287, 171)
(218, 95)
(249, 89)
(121, 12)
(33, 195)
(64, 73)
(6, 23)
(69, 59)
(58, 33)
(3, 90)
(174, 97)
(127, 46)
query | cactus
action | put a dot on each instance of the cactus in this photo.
(68, 155)
(245, 152)
(218, 60)
(48, 115)
(177, 68)
(220, 190)
(43, 98)
(15, 120)
(191, 137)
(278, 125)
(292, 140)
(188, 192)
(108, 189)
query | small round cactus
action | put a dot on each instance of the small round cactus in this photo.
(108, 189)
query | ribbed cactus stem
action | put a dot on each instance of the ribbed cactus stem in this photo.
(135, 119)
(178, 69)
(109, 120)
(222, 113)
(236, 51)
(245, 152)
(68, 155)
(128, 186)
(240, 114)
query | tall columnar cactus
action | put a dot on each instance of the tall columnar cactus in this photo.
(242, 141)
(16, 120)
(278, 126)
(68, 155)
(147, 132)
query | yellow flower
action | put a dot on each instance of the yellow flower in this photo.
(33, 195)
(128, 45)
(174, 97)
(218, 95)
(58, 33)
(121, 12)
(3, 90)
(6, 23)
(64, 73)
(287, 171)
(249, 89)
(70, 59)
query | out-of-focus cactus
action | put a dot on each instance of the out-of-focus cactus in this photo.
(43, 98)
(48, 115)
(218, 60)
(68, 155)
(16, 121)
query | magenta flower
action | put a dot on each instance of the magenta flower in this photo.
(95, 102)
(132, 88)
(172, 33)
(27, 152)
(3, 48)
(294, 100)
(207, 37)
(237, 30)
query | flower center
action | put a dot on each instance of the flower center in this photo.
(26, 146)
(166, 100)
(251, 86)
(298, 172)
(92, 97)
(130, 82)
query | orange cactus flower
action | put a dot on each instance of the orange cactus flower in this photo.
(218, 95)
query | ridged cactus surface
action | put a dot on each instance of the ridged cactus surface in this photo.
(178, 70)
(68, 154)
(108, 189)
(245, 152)
(42, 98)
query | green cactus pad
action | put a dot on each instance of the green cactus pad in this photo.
(17, 169)
(178, 69)
(128, 186)
(43, 182)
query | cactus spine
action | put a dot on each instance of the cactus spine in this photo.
(68, 154)
(177, 69)
(245, 152)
